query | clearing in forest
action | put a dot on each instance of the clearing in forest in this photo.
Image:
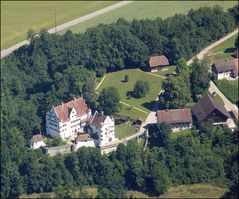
(125, 89)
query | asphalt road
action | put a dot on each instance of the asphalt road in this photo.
(69, 24)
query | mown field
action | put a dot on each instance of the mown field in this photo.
(229, 89)
(183, 191)
(17, 17)
(149, 9)
(116, 79)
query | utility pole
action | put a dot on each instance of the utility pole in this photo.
(55, 19)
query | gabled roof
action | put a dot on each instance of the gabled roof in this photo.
(160, 60)
(98, 119)
(63, 111)
(36, 138)
(205, 106)
(173, 116)
(227, 65)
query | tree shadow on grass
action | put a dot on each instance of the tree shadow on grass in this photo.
(229, 50)
(149, 105)
(130, 94)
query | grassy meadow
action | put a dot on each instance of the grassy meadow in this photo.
(194, 191)
(17, 17)
(223, 51)
(182, 191)
(174, 135)
(165, 73)
(131, 112)
(149, 9)
(116, 79)
(124, 130)
(229, 89)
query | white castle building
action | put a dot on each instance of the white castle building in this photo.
(104, 127)
(67, 119)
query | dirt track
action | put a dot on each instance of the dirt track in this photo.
(205, 50)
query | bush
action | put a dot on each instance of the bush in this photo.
(126, 78)
(57, 141)
(141, 88)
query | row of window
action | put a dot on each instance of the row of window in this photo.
(78, 124)
(53, 124)
(75, 120)
(54, 129)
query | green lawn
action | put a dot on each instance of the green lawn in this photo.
(218, 99)
(131, 112)
(223, 51)
(124, 130)
(149, 9)
(229, 43)
(116, 79)
(165, 73)
(136, 194)
(229, 89)
(174, 135)
(17, 17)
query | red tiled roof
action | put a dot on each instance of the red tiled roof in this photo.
(174, 116)
(83, 137)
(98, 119)
(160, 60)
(63, 111)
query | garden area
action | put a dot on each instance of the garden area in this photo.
(229, 89)
(125, 89)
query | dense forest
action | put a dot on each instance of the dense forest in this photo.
(56, 68)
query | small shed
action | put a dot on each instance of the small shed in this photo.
(36, 141)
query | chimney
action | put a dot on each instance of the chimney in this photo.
(226, 60)
(166, 110)
(102, 112)
(74, 99)
(62, 104)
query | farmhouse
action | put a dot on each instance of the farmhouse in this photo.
(104, 127)
(36, 141)
(208, 109)
(67, 119)
(226, 68)
(158, 63)
(179, 119)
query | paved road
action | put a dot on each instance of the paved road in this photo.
(69, 24)
(205, 50)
